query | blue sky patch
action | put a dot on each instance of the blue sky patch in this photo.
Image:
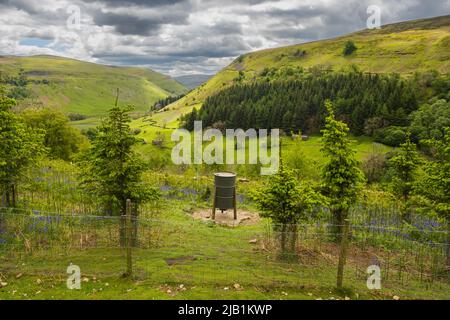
(36, 42)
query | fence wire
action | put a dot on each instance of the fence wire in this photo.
(194, 252)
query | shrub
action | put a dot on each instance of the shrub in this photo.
(76, 116)
(349, 48)
(391, 136)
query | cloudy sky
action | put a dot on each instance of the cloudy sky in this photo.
(180, 37)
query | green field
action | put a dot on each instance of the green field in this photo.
(294, 151)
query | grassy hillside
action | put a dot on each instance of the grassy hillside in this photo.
(87, 88)
(402, 48)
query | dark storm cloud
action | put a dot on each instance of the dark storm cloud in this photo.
(144, 3)
(23, 5)
(127, 24)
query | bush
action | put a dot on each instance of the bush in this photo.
(90, 133)
(391, 136)
(76, 116)
(349, 48)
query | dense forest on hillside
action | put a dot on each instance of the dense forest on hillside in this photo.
(165, 102)
(368, 103)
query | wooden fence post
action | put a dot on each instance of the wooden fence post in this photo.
(128, 236)
(342, 253)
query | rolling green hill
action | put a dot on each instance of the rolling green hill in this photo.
(403, 48)
(86, 88)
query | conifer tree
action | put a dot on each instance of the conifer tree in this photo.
(112, 170)
(404, 166)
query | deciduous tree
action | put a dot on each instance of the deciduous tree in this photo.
(62, 140)
(20, 147)
(342, 180)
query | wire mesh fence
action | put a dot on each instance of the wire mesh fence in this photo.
(193, 252)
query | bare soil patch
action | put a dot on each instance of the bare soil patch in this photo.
(244, 218)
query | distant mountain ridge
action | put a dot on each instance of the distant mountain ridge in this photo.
(194, 80)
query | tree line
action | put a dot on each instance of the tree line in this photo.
(158, 105)
(381, 106)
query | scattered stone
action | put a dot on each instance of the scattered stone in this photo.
(253, 241)
(38, 281)
(85, 279)
(310, 294)
(396, 297)
(19, 275)
(226, 288)
(3, 284)
(226, 218)
(347, 298)
(237, 286)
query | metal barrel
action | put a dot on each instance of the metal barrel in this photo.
(225, 184)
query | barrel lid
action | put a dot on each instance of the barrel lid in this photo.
(225, 174)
